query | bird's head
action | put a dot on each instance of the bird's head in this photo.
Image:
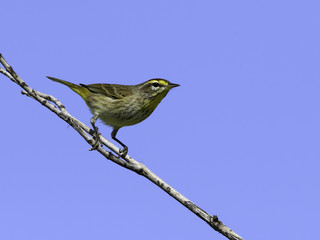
(156, 88)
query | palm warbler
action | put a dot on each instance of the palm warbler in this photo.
(120, 105)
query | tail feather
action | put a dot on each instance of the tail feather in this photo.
(82, 91)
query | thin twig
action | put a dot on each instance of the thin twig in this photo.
(59, 109)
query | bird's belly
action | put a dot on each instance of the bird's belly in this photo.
(122, 118)
(119, 115)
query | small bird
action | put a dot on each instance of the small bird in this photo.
(120, 105)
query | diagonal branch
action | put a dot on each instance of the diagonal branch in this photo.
(58, 108)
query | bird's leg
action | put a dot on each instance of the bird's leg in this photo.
(123, 152)
(96, 135)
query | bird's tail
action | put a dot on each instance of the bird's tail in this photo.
(82, 91)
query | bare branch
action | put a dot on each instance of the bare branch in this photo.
(59, 109)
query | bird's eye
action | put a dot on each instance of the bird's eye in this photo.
(155, 84)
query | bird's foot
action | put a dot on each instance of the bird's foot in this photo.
(96, 137)
(123, 152)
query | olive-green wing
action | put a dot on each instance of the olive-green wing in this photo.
(114, 91)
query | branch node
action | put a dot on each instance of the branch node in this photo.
(11, 71)
(23, 92)
(141, 171)
(214, 218)
(23, 84)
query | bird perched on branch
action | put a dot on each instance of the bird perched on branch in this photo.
(120, 105)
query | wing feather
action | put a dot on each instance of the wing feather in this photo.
(114, 91)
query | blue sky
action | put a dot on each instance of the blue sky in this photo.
(240, 137)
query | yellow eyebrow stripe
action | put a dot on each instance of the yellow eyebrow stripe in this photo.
(163, 82)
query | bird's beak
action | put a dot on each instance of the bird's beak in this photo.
(172, 85)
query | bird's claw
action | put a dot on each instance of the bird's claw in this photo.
(96, 137)
(123, 152)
